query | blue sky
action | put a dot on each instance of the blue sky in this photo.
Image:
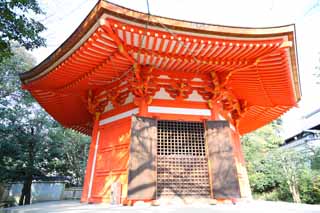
(63, 16)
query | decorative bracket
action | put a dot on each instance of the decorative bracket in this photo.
(93, 105)
(232, 108)
(179, 89)
(142, 85)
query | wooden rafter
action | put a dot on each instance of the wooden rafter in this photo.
(112, 47)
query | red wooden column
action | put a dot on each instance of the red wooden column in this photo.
(245, 190)
(214, 112)
(88, 180)
(143, 107)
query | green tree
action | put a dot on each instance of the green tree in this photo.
(31, 142)
(23, 126)
(17, 24)
(276, 173)
(309, 186)
(263, 175)
(291, 165)
(315, 159)
(9, 71)
(68, 151)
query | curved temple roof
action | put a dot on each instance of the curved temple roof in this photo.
(257, 65)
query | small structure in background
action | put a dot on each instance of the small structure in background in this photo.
(308, 137)
(42, 189)
(72, 193)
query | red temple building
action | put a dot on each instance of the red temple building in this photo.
(166, 100)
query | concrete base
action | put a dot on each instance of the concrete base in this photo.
(254, 206)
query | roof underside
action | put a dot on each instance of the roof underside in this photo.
(258, 65)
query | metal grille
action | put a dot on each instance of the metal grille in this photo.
(182, 165)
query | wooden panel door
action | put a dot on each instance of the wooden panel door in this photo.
(142, 162)
(223, 169)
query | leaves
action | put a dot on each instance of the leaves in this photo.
(31, 142)
(263, 176)
(277, 173)
(17, 24)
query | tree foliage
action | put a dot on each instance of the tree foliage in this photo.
(315, 159)
(291, 164)
(17, 24)
(32, 144)
(257, 146)
(277, 173)
(68, 150)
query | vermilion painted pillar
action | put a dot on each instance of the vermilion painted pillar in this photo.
(245, 190)
(214, 112)
(143, 107)
(90, 169)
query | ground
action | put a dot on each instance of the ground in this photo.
(254, 206)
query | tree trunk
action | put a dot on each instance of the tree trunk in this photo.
(23, 193)
(296, 194)
(295, 190)
(293, 187)
(25, 197)
(291, 180)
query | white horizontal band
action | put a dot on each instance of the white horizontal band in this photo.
(180, 111)
(118, 116)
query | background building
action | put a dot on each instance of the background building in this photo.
(307, 136)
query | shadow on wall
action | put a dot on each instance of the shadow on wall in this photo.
(143, 174)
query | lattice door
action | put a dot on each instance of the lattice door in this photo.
(182, 164)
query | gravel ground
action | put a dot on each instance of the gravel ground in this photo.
(253, 206)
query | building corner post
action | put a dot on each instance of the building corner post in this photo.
(245, 190)
(90, 162)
